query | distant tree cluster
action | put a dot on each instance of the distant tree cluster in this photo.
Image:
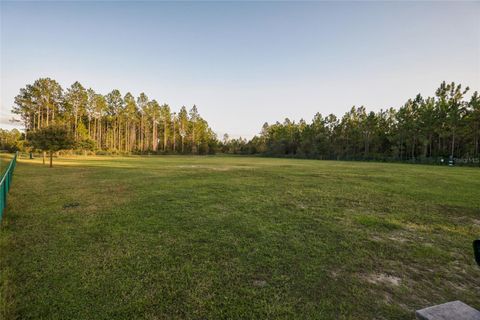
(446, 125)
(113, 122)
(11, 140)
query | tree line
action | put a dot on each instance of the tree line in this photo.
(113, 122)
(11, 140)
(446, 125)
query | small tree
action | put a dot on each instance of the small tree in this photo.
(52, 139)
(85, 145)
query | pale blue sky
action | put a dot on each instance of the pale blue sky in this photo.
(244, 63)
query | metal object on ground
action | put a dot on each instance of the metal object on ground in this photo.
(455, 310)
(476, 250)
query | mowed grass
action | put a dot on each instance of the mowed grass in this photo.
(215, 237)
(5, 159)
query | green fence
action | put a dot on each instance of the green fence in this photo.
(5, 184)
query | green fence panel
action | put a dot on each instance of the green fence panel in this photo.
(5, 183)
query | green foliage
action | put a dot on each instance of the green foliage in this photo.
(115, 123)
(52, 139)
(423, 128)
(11, 140)
(85, 144)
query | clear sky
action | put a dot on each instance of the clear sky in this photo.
(243, 63)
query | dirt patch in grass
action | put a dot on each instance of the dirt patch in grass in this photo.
(69, 205)
(400, 237)
(382, 278)
(259, 283)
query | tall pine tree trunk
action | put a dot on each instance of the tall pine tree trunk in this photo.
(453, 144)
(164, 135)
(174, 133)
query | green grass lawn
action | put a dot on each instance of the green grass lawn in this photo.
(5, 159)
(183, 237)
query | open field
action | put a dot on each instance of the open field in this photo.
(236, 238)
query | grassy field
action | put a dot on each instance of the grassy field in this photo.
(181, 237)
(5, 159)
